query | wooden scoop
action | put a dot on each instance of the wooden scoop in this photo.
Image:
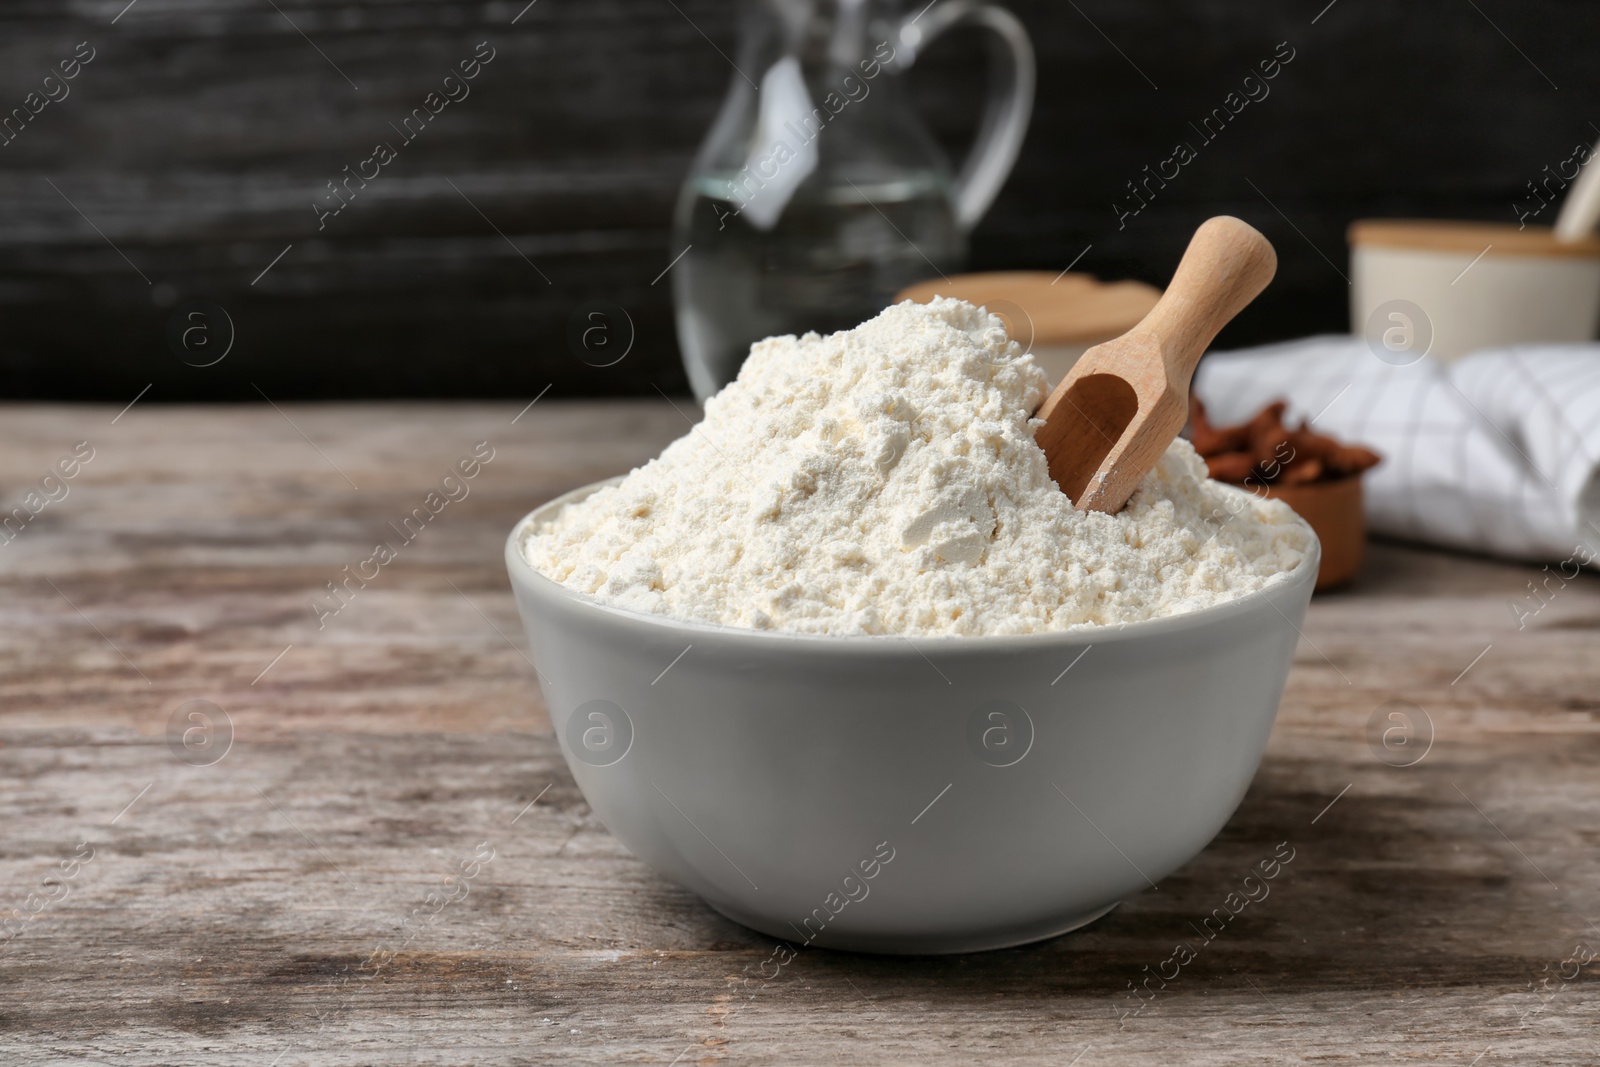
(1109, 421)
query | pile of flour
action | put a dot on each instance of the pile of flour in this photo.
(885, 480)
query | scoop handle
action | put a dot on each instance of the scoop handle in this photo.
(1227, 264)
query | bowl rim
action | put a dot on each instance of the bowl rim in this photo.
(1303, 573)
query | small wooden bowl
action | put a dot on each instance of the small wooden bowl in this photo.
(1334, 510)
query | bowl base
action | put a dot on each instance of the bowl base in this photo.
(915, 944)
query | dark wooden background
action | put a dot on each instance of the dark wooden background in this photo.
(197, 138)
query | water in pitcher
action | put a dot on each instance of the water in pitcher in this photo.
(838, 254)
(818, 193)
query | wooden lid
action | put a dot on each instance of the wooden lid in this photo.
(1064, 309)
(1440, 235)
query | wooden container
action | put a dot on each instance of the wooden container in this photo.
(1056, 317)
(1334, 510)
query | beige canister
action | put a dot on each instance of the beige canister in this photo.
(1446, 289)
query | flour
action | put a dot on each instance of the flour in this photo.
(885, 480)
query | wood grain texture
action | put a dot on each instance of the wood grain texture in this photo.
(227, 910)
(199, 137)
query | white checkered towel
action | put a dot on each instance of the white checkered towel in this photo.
(1497, 453)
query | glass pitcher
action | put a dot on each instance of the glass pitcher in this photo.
(818, 193)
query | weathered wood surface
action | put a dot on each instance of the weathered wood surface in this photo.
(202, 132)
(224, 915)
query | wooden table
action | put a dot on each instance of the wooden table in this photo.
(220, 913)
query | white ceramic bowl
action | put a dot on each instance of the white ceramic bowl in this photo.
(885, 794)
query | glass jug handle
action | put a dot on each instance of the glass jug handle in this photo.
(1005, 119)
